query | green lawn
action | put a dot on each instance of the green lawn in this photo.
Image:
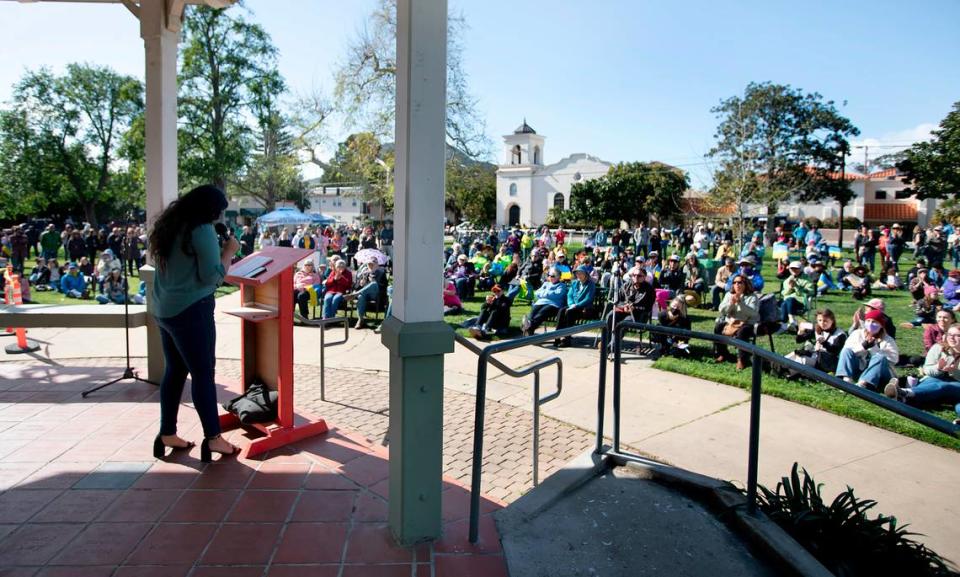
(821, 396)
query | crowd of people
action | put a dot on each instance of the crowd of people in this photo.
(645, 274)
(92, 265)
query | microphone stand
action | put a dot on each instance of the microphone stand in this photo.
(129, 373)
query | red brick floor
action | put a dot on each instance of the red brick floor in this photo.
(81, 496)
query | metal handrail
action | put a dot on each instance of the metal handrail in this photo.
(538, 401)
(323, 324)
(758, 356)
(484, 358)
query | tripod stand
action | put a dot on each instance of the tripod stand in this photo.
(128, 373)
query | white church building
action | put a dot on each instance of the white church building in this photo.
(527, 188)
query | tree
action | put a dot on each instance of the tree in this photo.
(932, 169)
(272, 171)
(63, 135)
(361, 160)
(471, 190)
(366, 83)
(224, 58)
(632, 192)
(786, 141)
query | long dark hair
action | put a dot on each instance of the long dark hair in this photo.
(202, 205)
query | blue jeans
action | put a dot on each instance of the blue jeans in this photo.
(189, 342)
(790, 306)
(369, 293)
(876, 374)
(934, 391)
(331, 304)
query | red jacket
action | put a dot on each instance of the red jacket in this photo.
(339, 285)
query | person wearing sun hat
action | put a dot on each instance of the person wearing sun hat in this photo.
(869, 355)
(796, 293)
(747, 267)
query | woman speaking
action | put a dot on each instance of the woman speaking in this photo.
(191, 264)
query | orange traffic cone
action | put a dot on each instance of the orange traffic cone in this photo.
(22, 345)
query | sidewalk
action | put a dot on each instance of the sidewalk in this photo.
(688, 422)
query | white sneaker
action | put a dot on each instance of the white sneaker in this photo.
(892, 389)
(525, 323)
(912, 381)
(784, 327)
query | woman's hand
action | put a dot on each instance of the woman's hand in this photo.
(230, 247)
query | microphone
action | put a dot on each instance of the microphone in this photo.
(223, 233)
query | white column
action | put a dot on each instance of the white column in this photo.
(160, 48)
(420, 142)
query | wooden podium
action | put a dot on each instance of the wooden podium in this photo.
(265, 279)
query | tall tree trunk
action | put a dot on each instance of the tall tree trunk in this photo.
(90, 213)
(769, 234)
(840, 226)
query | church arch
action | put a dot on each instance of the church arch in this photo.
(536, 155)
(513, 189)
(516, 155)
(513, 215)
(558, 201)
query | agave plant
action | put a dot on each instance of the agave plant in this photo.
(842, 535)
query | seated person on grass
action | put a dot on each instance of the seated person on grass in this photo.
(889, 281)
(452, 305)
(951, 290)
(858, 282)
(822, 343)
(939, 384)
(72, 284)
(872, 304)
(869, 355)
(933, 333)
(494, 316)
(674, 316)
(551, 297)
(579, 302)
(748, 269)
(695, 279)
(114, 289)
(40, 275)
(672, 277)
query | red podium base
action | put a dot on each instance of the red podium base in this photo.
(275, 436)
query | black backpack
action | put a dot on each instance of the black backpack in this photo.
(257, 405)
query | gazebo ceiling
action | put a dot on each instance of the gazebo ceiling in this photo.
(174, 8)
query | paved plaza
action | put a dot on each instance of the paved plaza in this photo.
(688, 422)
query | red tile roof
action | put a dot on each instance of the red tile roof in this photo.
(890, 212)
(888, 173)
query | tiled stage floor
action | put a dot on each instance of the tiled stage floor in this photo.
(81, 496)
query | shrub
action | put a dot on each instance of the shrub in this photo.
(849, 223)
(842, 536)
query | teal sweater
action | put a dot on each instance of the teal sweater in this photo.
(188, 278)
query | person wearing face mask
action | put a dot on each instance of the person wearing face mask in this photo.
(941, 374)
(869, 355)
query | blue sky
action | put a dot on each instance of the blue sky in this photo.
(620, 79)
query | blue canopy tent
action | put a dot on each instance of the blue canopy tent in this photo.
(322, 219)
(284, 216)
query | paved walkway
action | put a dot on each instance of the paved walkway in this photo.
(689, 422)
(81, 495)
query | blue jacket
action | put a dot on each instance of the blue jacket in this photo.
(552, 294)
(755, 277)
(581, 294)
(68, 282)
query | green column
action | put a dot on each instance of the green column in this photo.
(416, 426)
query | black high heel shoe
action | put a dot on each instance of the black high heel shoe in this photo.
(159, 448)
(206, 453)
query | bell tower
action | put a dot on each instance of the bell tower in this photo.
(523, 147)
